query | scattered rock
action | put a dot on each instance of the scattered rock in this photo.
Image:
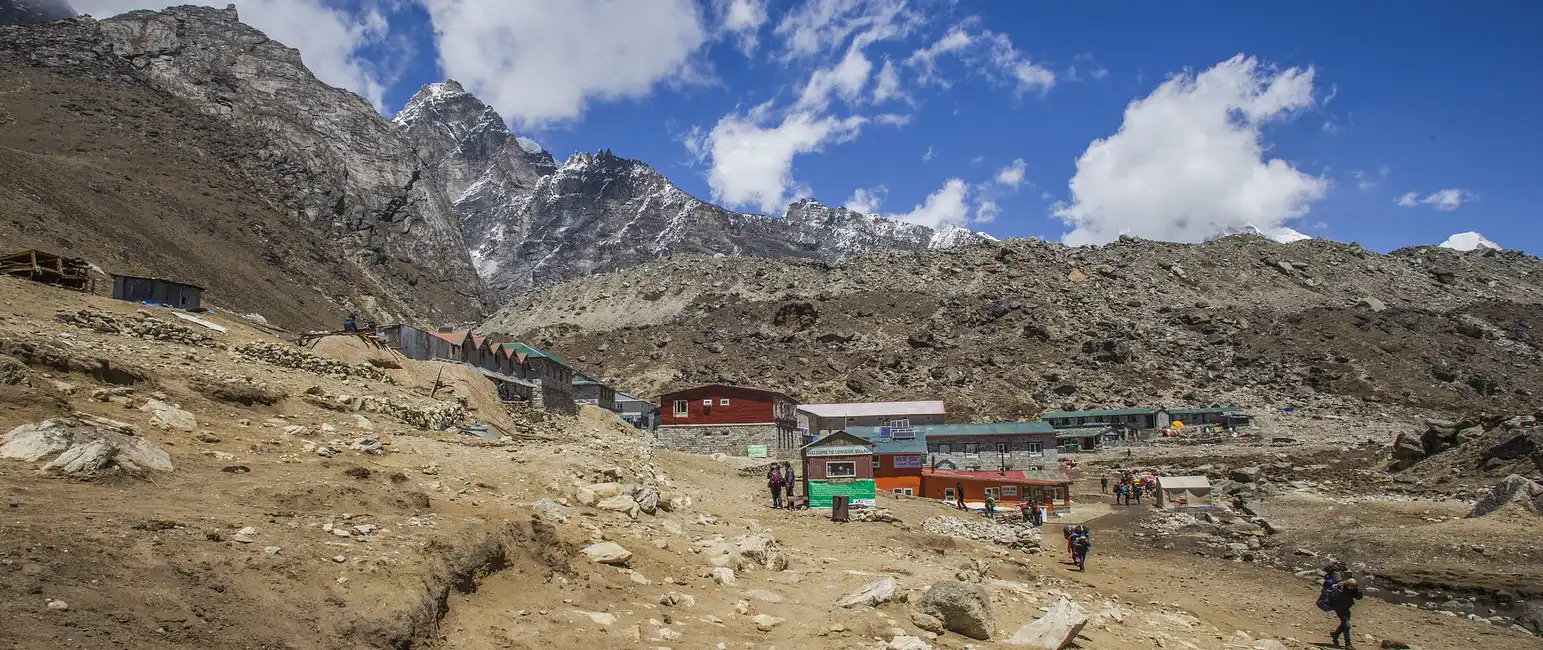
(166, 416)
(907, 643)
(607, 553)
(58, 605)
(620, 503)
(1057, 629)
(874, 594)
(1515, 489)
(765, 622)
(83, 447)
(963, 608)
(723, 576)
(927, 622)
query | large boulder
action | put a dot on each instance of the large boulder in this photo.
(874, 594)
(166, 416)
(607, 553)
(83, 447)
(12, 372)
(1438, 439)
(1407, 450)
(1531, 618)
(647, 499)
(1517, 445)
(963, 608)
(1053, 631)
(620, 503)
(1245, 474)
(1515, 489)
(762, 550)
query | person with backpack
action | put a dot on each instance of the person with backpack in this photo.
(1342, 597)
(774, 481)
(1136, 491)
(991, 505)
(1081, 542)
(789, 479)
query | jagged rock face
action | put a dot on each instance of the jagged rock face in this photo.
(530, 223)
(324, 154)
(32, 12)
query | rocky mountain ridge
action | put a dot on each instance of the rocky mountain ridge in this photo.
(531, 222)
(1012, 328)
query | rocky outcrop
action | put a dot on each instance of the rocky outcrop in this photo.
(32, 12)
(1514, 489)
(84, 447)
(963, 608)
(321, 153)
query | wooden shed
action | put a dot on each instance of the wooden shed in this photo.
(839, 464)
(157, 291)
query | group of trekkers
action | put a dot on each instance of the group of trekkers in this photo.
(1079, 540)
(1130, 486)
(781, 479)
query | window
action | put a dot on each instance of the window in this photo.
(900, 424)
(680, 408)
(994, 492)
(905, 491)
(1002, 448)
(945, 449)
(1009, 490)
(707, 402)
(907, 461)
(948, 495)
(971, 449)
(840, 469)
(723, 402)
(1035, 448)
(875, 462)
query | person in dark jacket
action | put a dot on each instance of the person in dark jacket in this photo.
(789, 479)
(1103, 484)
(1343, 596)
(959, 495)
(774, 481)
(1135, 490)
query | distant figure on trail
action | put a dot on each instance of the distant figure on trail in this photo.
(991, 506)
(1081, 542)
(1342, 597)
(351, 324)
(789, 479)
(774, 481)
(1103, 484)
(1122, 494)
(959, 495)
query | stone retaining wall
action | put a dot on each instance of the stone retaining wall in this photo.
(731, 439)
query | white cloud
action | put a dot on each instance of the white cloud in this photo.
(540, 62)
(845, 79)
(820, 26)
(927, 156)
(328, 38)
(986, 211)
(944, 207)
(1445, 200)
(1012, 175)
(888, 85)
(752, 164)
(742, 19)
(867, 200)
(1188, 162)
(988, 52)
(1366, 181)
(893, 119)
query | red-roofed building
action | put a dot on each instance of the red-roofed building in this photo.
(448, 345)
(718, 418)
(1049, 487)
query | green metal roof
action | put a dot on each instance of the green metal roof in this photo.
(1095, 414)
(991, 429)
(917, 445)
(532, 351)
(581, 379)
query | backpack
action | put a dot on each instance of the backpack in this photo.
(1326, 596)
(1081, 543)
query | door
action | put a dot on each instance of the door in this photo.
(949, 495)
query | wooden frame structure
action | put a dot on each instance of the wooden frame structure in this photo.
(48, 268)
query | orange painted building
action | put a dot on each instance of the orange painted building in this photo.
(1048, 487)
(897, 463)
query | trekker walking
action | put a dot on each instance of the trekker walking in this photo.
(790, 479)
(1122, 495)
(959, 495)
(1103, 484)
(774, 481)
(1067, 531)
(991, 506)
(1342, 597)
(1081, 541)
(1135, 490)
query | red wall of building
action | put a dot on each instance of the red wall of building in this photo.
(887, 467)
(746, 406)
(975, 490)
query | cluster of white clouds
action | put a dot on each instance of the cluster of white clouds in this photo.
(1189, 161)
(956, 203)
(1445, 200)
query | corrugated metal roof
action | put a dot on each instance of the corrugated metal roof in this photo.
(1183, 482)
(454, 338)
(503, 377)
(1019, 476)
(1083, 432)
(1095, 413)
(917, 445)
(991, 429)
(533, 351)
(1218, 409)
(864, 409)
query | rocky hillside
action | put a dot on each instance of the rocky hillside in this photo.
(1009, 329)
(530, 222)
(31, 12)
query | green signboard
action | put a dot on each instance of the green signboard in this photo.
(756, 451)
(860, 491)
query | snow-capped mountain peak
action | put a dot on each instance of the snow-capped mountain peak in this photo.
(1277, 234)
(1467, 241)
(430, 95)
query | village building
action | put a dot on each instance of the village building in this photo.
(637, 411)
(1176, 492)
(48, 268)
(994, 446)
(897, 462)
(587, 390)
(410, 341)
(823, 419)
(1050, 488)
(1141, 419)
(448, 345)
(733, 420)
(550, 376)
(1230, 417)
(839, 464)
(1092, 437)
(157, 291)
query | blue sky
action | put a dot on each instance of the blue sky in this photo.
(1389, 124)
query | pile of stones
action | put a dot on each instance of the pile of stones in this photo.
(1013, 534)
(142, 325)
(285, 356)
